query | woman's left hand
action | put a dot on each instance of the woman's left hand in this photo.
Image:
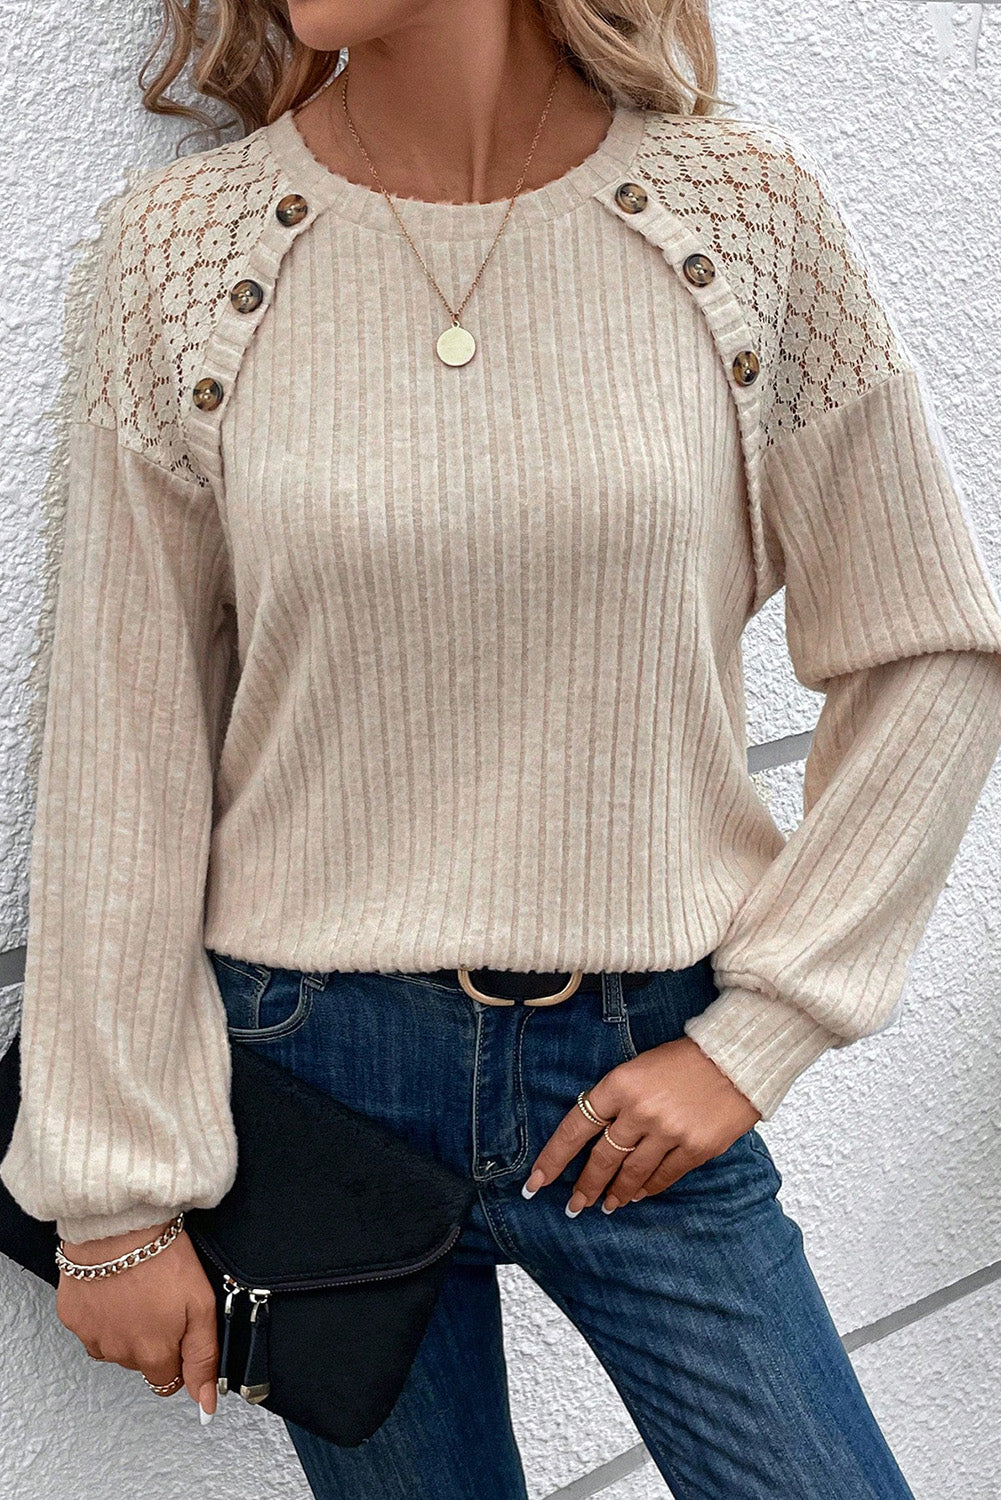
(671, 1102)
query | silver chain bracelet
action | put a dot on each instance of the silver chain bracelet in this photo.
(122, 1262)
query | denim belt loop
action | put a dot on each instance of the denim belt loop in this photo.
(613, 1002)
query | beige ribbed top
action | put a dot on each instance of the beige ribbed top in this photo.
(373, 663)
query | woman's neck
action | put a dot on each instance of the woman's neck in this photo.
(447, 107)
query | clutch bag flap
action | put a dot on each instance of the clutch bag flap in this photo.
(322, 1193)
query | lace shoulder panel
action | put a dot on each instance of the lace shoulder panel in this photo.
(766, 210)
(170, 250)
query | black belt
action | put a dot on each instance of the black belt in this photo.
(525, 984)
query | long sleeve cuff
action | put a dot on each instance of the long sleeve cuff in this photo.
(761, 1044)
(100, 1226)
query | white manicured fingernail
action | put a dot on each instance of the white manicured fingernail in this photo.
(204, 1416)
(571, 1213)
(532, 1183)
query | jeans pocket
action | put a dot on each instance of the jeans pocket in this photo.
(264, 1003)
(656, 1012)
(759, 1146)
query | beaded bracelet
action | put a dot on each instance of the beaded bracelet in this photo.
(121, 1262)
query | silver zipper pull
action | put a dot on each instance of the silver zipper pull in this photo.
(256, 1380)
(232, 1288)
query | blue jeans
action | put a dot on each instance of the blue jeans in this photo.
(699, 1301)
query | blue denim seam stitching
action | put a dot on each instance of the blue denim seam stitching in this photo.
(626, 1042)
(521, 1115)
(247, 968)
(613, 999)
(518, 1160)
(759, 1145)
(402, 977)
(476, 1093)
(300, 1015)
(498, 1227)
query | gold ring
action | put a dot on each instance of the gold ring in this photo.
(623, 1149)
(587, 1109)
(168, 1388)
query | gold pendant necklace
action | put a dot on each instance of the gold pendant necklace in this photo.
(456, 346)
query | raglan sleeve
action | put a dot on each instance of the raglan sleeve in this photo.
(892, 616)
(125, 1069)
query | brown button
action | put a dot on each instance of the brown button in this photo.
(699, 269)
(246, 296)
(207, 394)
(631, 197)
(292, 209)
(746, 367)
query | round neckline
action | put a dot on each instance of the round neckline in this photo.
(366, 206)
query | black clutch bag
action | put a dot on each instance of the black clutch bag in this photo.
(326, 1255)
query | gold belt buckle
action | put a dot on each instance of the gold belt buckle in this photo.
(563, 994)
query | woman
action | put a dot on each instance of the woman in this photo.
(438, 438)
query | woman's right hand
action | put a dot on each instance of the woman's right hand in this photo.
(157, 1316)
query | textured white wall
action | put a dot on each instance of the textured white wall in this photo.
(888, 1149)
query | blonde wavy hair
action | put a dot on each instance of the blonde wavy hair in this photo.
(246, 54)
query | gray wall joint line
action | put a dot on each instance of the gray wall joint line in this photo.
(634, 1458)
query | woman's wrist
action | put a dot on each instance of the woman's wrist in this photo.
(93, 1252)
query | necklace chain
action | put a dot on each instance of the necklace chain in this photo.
(452, 349)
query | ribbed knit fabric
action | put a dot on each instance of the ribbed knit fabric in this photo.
(380, 664)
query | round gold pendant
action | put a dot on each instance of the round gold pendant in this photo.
(456, 346)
